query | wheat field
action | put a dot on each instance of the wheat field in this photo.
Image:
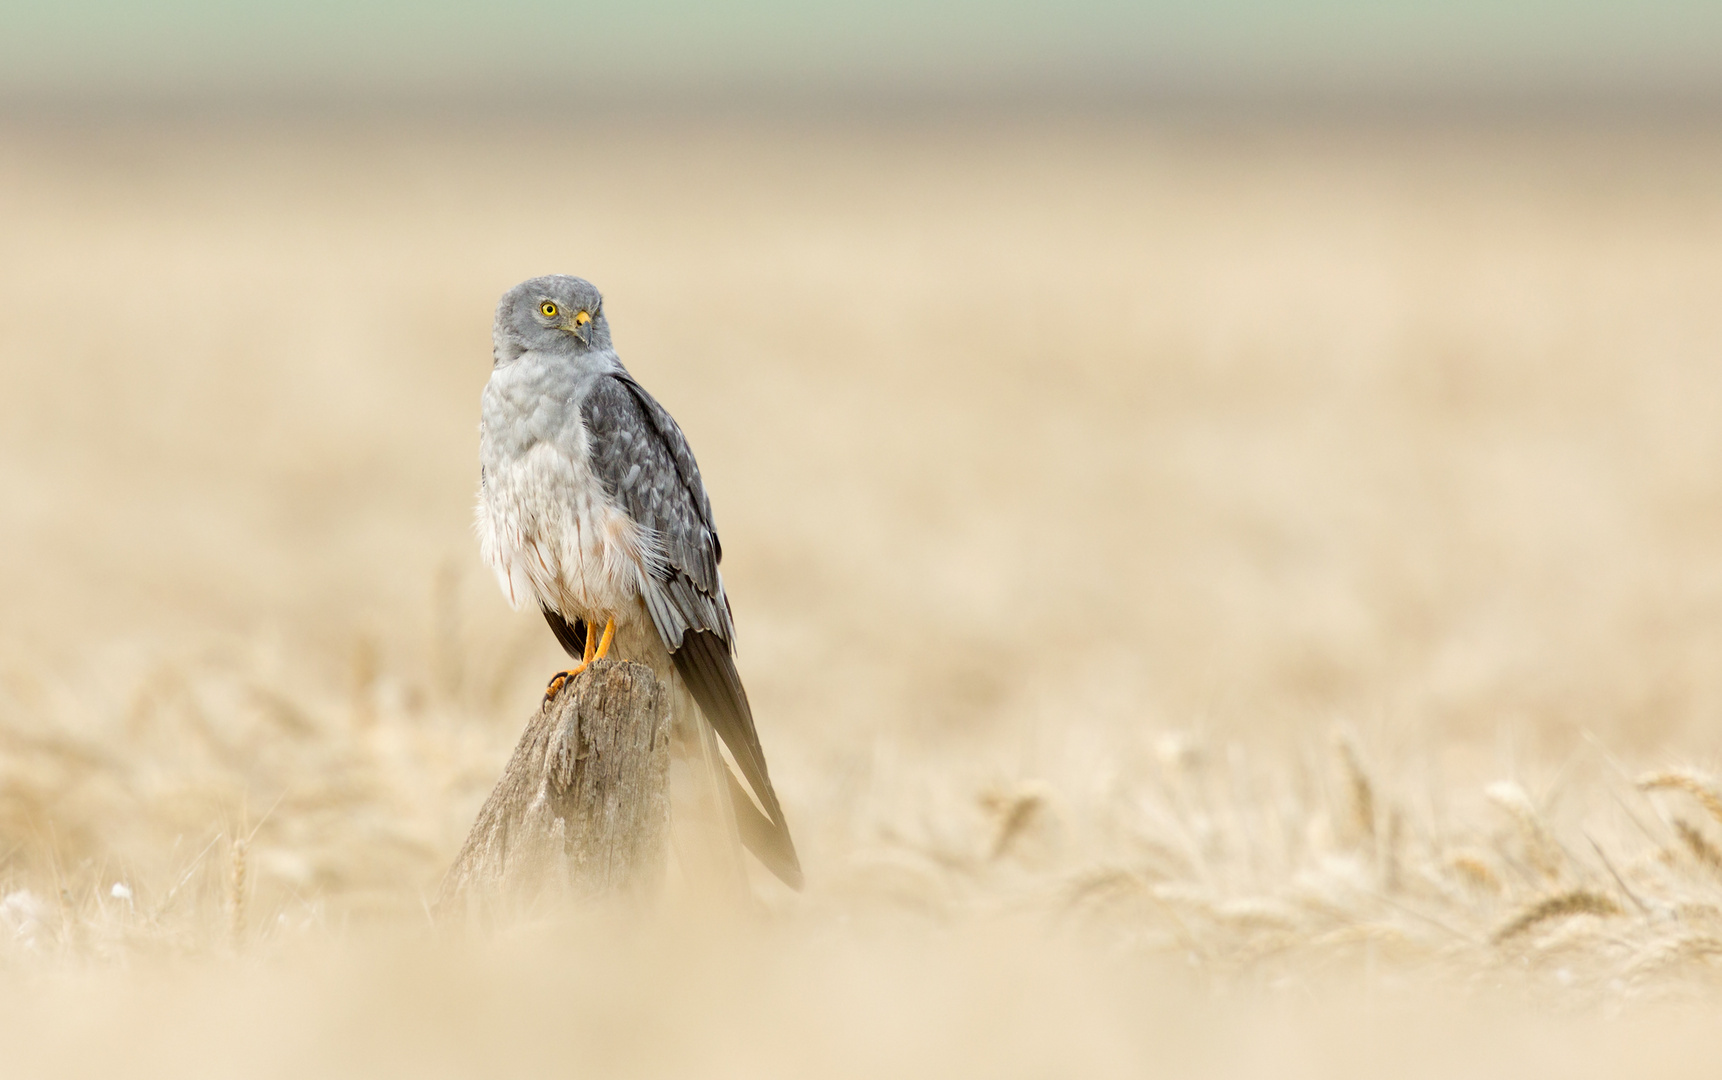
(1221, 597)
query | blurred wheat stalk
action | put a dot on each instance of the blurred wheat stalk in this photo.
(1246, 871)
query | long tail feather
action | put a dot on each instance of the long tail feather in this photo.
(705, 665)
(763, 837)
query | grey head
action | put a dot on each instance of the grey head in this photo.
(556, 314)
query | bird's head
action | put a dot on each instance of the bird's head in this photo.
(556, 314)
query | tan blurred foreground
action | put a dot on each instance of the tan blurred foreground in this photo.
(1238, 599)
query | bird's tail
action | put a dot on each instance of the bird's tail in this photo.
(709, 672)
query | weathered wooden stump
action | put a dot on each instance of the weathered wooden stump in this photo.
(583, 809)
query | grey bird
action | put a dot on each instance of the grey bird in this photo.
(591, 507)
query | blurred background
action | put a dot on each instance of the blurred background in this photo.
(1227, 493)
(769, 52)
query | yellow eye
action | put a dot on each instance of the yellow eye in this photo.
(547, 309)
(581, 318)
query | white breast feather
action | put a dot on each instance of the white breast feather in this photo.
(552, 536)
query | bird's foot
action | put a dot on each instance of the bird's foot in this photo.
(561, 679)
(595, 650)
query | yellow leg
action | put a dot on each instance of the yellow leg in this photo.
(592, 652)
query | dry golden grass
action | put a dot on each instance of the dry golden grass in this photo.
(1245, 600)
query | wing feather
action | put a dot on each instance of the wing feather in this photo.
(646, 466)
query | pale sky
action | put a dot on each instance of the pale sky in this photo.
(56, 48)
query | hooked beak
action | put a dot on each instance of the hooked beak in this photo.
(580, 325)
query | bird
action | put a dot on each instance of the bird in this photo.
(591, 507)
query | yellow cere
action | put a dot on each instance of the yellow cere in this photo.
(581, 318)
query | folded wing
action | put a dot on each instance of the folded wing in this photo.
(640, 455)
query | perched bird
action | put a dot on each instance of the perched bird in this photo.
(591, 507)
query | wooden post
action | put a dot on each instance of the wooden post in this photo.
(583, 809)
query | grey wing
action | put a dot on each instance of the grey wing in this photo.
(646, 466)
(644, 462)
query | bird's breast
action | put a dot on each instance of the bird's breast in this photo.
(547, 527)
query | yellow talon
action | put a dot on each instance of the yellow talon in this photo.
(604, 643)
(559, 680)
